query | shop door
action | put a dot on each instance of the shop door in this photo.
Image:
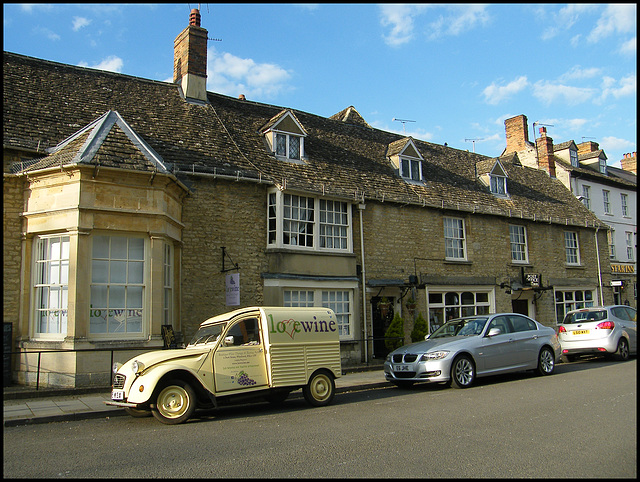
(381, 321)
(520, 306)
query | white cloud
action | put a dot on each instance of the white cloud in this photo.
(578, 72)
(111, 64)
(563, 20)
(455, 20)
(50, 34)
(400, 18)
(611, 143)
(630, 47)
(615, 19)
(495, 94)
(627, 86)
(231, 75)
(459, 19)
(549, 92)
(79, 22)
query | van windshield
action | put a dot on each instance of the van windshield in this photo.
(207, 334)
(582, 316)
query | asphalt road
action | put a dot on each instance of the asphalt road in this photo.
(579, 422)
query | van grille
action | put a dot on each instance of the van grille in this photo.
(118, 381)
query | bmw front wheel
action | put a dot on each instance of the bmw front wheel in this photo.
(463, 372)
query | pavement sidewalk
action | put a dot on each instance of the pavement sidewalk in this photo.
(33, 408)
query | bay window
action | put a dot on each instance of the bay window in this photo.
(51, 286)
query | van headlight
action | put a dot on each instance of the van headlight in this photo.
(116, 367)
(137, 366)
(434, 355)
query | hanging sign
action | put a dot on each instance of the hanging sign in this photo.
(233, 289)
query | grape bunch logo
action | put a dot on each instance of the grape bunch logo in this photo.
(243, 379)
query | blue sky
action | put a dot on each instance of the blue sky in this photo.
(456, 71)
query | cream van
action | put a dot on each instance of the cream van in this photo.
(258, 352)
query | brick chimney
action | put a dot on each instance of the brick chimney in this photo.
(517, 134)
(190, 59)
(544, 145)
(629, 162)
(587, 147)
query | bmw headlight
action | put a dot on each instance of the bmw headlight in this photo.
(116, 367)
(434, 355)
(137, 366)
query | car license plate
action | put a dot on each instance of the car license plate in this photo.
(580, 332)
(117, 395)
(402, 368)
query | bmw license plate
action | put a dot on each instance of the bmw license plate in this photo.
(580, 332)
(117, 395)
(402, 368)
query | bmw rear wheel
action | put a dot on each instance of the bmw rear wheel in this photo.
(463, 372)
(175, 403)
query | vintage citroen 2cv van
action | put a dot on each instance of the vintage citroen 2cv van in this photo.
(262, 352)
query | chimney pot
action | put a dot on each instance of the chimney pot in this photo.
(543, 131)
(242, 97)
(194, 18)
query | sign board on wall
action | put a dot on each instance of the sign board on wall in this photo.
(233, 289)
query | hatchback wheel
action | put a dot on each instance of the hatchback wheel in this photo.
(622, 353)
(463, 372)
(546, 362)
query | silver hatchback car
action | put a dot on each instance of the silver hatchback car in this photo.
(605, 330)
(475, 346)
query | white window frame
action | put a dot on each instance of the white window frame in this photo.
(167, 275)
(287, 147)
(624, 203)
(319, 294)
(567, 299)
(498, 185)
(130, 310)
(603, 166)
(410, 163)
(455, 245)
(446, 302)
(629, 241)
(572, 248)
(518, 242)
(586, 194)
(606, 202)
(611, 238)
(51, 286)
(329, 220)
(573, 155)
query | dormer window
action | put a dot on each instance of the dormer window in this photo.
(285, 136)
(603, 166)
(498, 180)
(289, 146)
(499, 185)
(573, 155)
(411, 169)
(406, 159)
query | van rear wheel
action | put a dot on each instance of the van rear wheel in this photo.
(320, 389)
(175, 403)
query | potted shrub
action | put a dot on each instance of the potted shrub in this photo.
(420, 329)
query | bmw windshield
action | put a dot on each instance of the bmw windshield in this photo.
(461, 327)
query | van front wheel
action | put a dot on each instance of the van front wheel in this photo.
(175, 403)
(320, 389)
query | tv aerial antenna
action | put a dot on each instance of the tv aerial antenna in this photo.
(474, 142)
(536, 123)
(404, 121)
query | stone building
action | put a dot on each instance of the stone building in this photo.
(132, 206)
(609, 192)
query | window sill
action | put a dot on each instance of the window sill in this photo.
(574, 266)
(457, 261)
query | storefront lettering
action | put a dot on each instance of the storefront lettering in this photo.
(291, 326)
(623, 268)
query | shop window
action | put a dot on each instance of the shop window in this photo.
(567, 300)
(51, 286)
(338, 300)
(447, 305)
(117, 286)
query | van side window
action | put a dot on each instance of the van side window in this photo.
(245, 332)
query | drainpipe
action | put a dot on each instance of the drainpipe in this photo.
(364, 286)
(599, 268)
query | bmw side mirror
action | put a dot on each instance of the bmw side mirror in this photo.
(494, 332)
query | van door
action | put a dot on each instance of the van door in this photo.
(239, 361)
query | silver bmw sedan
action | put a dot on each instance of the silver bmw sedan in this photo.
(475, 346)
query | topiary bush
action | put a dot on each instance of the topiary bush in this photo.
(420, 329)
(395, 333)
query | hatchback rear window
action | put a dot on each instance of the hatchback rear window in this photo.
(582, 316)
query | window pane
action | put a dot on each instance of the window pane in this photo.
(118, 272)
(135, 271)
(118, 247)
